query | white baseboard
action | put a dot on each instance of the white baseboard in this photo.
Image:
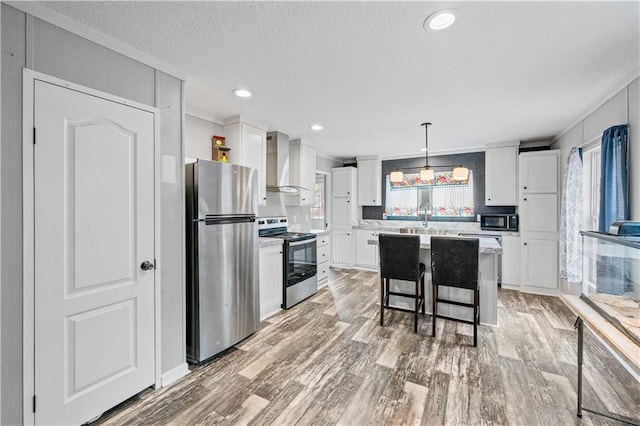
(175, 374)
(270, 311)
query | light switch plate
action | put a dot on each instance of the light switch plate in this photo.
(168, 169)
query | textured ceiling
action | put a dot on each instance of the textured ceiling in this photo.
(370, 74)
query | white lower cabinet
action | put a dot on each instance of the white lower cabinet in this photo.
(539, 265)
(270, 280)
(342, 249)
(324, 255)
(511, 260)
(366, 247)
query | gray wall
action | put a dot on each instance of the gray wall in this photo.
(474, 161)
(30, 42)
(198, 133)
(621, 108)
(326, 164)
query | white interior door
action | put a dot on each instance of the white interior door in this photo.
(94, 227)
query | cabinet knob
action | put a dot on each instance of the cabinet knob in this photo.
(525, 244)
(348, 193)
(348, 201)
(525, 187)
(489, 199)
(525, 199)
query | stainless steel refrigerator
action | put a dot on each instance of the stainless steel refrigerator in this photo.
(222, 257)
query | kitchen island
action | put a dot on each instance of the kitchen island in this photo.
(488, 276)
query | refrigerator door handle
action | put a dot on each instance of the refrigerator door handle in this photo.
(224, 219)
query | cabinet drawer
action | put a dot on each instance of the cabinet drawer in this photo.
(323, 270)
(323, 254)
(322, 240)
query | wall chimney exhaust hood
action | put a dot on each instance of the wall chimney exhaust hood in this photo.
(278, 164)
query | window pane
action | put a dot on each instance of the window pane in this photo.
(453, 201)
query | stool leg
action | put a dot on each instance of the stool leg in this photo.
(415, 314)
(434, 296)
(422, 294)
(476, 296)
(382, 288)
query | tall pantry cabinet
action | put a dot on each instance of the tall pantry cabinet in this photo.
(539, 188)
(344, 214)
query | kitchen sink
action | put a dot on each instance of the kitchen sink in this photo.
(423, 231)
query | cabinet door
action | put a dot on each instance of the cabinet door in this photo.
(369, 182)
(271, 285)
(366, 248)
(341, 249)
(341, 213)
(302, 172)
(341, 182)
(254, 154)
(511, 260)
(539, 213)
(500, 176)
(539, 172)
(539, 263)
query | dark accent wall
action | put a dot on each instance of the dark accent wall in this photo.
(474, 161)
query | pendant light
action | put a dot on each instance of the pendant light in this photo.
(396, 176)
(426, 174)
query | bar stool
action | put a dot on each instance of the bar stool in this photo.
(400, 260)
(454, 263)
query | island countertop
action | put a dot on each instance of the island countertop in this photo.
(487, 245)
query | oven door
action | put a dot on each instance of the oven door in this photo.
(302, 262)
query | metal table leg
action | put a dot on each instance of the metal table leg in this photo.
(579, 324)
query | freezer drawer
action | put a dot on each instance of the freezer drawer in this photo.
(223, 296)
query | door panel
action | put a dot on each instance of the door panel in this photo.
(102, 202)
(94, 226)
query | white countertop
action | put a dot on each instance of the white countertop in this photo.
(270, 241)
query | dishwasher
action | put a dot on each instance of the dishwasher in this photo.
(496, 237)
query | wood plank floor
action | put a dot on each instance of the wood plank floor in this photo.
(327, 361)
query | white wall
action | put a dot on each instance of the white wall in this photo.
(623, 107)
(198, 133)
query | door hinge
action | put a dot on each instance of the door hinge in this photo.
(34, 403)
(34, 135)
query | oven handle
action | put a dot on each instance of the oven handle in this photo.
(299, 243)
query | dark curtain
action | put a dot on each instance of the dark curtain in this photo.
(614, 183)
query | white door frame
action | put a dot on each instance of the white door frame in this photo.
(28, 349)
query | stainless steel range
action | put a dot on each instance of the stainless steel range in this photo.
(300, 264)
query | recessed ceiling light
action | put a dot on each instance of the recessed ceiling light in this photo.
(439, 20)
(316, 127)
(243, 93)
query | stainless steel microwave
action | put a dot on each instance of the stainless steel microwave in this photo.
(499, 222)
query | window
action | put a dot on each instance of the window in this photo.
(318, 211)
(591, 186)
(444, 199)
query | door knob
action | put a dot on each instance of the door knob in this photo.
(147, 266)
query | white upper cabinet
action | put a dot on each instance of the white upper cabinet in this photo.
(302, 172)
(248, 143)
(539, 192)
(539, 171)
(342, 181)
(501, 172)
(369, 181)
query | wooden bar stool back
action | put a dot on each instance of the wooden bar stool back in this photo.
(454, 263)
(400, 260)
